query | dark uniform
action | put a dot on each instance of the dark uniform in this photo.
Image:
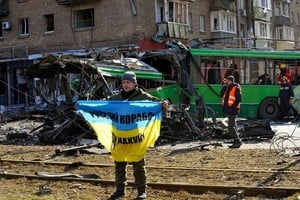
(285, 97)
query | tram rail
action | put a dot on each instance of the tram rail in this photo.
(247, 190)
(152, 167)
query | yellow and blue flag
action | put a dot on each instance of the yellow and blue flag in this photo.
(125, 128)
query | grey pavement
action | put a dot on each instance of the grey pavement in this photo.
(286, 139)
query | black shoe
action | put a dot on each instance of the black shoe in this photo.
(235, 145)
(118, 194)
(141, 195)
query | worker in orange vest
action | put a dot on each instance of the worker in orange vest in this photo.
(231, 102)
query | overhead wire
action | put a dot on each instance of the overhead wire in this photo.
(284, 143)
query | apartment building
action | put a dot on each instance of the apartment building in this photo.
(48, 25)
(30, 27)
(295, 20)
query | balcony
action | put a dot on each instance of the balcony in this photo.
(284, 45)
(263, 14)
(70, 2)
(172, 30)
(282, 21)
(222, 5)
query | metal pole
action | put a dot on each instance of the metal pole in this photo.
(8, 85)
(237, 8)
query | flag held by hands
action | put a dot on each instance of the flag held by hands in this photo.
(125, 128)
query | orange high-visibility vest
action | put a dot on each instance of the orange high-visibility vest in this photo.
(231, 97)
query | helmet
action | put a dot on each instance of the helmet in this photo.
(282, 66)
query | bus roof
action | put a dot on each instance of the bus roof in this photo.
(118, 71)
(50, 65)
(246, 53)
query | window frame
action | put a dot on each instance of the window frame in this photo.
(285, 33)
(77, 14)
(223, 21)
(23, 27)
(263, 29)
(202, 24)
(48, 22)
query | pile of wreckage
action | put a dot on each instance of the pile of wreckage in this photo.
(58, 80)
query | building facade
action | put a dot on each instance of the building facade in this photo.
(45, 26)
(31, 27)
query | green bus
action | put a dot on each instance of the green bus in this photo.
(189, 78)
(258, 73)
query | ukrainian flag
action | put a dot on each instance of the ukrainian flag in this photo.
(125, 128)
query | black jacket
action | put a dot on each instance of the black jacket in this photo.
(285, 93)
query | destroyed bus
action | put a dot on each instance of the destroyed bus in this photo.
(189, 78)
(58, 80)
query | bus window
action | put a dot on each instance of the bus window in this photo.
(259, 70)
(214, 74)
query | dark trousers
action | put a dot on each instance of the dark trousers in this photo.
(286, 109)
(139, 172)
(232, 127)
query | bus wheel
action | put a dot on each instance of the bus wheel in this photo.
(269, 109)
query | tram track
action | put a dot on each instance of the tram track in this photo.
(148, 167)
(221, 187)
(193, 188)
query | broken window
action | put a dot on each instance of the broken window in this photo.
(178, 12)
(23, 26)
(172, 11)
(83, 18)
(21, 85)
(49, 22)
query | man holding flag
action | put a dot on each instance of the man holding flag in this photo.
(126, 125)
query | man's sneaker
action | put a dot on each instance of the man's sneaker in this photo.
(117, 195)
(236, 144)
(141, 195)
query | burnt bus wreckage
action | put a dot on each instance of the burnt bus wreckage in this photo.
(60, 79)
